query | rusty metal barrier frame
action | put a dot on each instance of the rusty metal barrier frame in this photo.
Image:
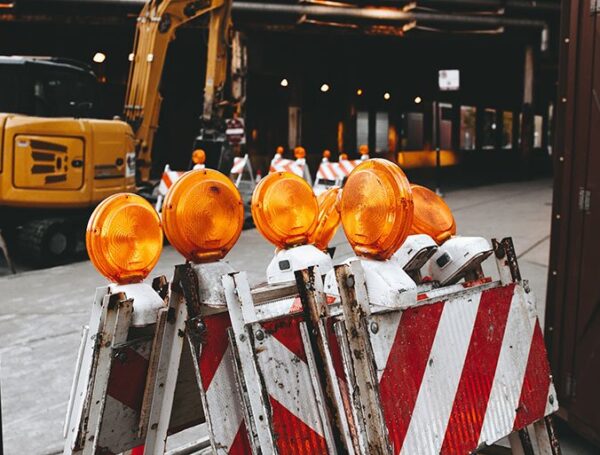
(284, 369)
(119, 380)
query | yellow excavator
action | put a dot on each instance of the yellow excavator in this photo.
(56, 164)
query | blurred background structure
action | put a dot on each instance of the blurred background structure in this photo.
(336, 76)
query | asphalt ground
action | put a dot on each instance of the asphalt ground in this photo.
(42, 311)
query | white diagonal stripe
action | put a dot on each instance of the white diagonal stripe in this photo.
(224, 404)
(383, 340)
(238, 165)
(427, 428)
(288, 381)
(346, 167)
(510, 371)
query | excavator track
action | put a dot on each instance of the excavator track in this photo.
(47, 242)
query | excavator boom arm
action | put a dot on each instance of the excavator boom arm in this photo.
(156, 27)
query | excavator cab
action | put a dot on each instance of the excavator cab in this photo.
(57, 159)
(47, 87)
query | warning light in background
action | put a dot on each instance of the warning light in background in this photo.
(329, 217)
(124, 238)
(199, 156)
(285, 209)
(203, 215)
(377, 208)
(300, 152)
(432, 215)
(326, 154)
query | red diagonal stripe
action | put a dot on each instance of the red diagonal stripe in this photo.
(214, 346)
(292, 435)
(401, 380)
(128, 379)
(240, 445)
(167, 180)
(471, 400)
(287, 332)
(534, 392)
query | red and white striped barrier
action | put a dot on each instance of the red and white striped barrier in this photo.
(223, 403)
(474, 369)
(331, 173)
(239, 163)
(167, 180)
(298, 167)
(241, 173)
(287, 369)
(329, 170)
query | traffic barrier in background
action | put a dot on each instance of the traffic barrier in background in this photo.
(297, 166)
(241, 171)
(4, 249)
(167, 180)
(386, 364)
(331, 173)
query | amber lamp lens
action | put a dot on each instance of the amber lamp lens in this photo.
(343, 156)
(124, 238)
(326, 154)
(279, 150)
(203, 215)
(284, 209)
(329, 217)
(377, 208)
(299, 152)
(199, 156)
(432, 216)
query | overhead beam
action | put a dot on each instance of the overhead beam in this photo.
(385, 15)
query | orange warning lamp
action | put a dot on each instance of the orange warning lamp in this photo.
(199, 156)
(343, 156)
(285, 209)
(329, 217)
(299, 152)
(279, 150)
(326, 154)
(377, 208)
(363, 149)
(124, 238)
(203, 215)
(432, 216)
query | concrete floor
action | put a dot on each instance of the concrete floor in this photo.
(41, 312)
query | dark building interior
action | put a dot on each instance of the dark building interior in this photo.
(381, 81)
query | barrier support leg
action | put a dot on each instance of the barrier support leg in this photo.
(114, 332)
(163, 389)
(356, 309)
(314, 304)
(506, 259)
(241, 313)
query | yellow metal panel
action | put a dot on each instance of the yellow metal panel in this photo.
(95, 142)
(48, 162)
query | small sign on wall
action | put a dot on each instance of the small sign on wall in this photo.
(449, 80)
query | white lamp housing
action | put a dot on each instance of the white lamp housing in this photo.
(456, 258)
(387, 284)
(282, 267)
(415, 252)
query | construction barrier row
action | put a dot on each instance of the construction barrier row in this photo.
(329, 173)
(408, 347)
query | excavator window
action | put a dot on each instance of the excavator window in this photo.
(9, 95)
(46, 89)
(58, 93)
